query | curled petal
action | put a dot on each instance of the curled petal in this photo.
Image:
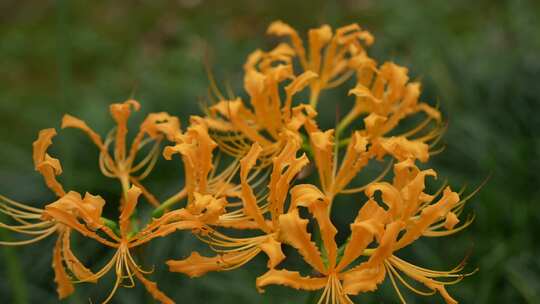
(157, 124)
(248, 197)
(290, 279)
(355, 159)
(293, 230)
(128, 208)
(272, 248)
(196, 265)
(286, 167)
(451, 221)
(363, 280)
(88, 209)
(279, 28)
(207, 207)
(368, 224)
(152, 288)
(318, 38)
(48, 166)
(386, 247)
(318, 204)
(120, 113)
(63, 282)
(428, 216)
(72, 263)
(390, 196)
(69, 121)
(297, 85)
(323, 150)
(402, 148)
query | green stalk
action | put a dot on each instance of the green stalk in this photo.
(158, 212)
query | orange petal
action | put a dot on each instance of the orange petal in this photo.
(322, 144)
(428, 216)
(280, 28)
(451, 221)
(293, 230)
(120, 113)
(64, 287)
(196, 147)
(196, 265)
(355, 159)
(248, 197)
(386, 247)
(272, 248)
(390, 196)
(368, 224)
(297, 85)
(402, 148)
(128, 208)
(286, 166)
(72, 262)
(48, 166)
(318, 38)
(207, 207)
(152, 288)
(69, 121)
(363, 280)
(162, 123)
(290, 279)
(317, 204)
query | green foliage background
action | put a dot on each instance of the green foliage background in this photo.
(479, 59)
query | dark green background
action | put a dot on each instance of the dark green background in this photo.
(479, 59)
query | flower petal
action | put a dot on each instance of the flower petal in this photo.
(120, 113)
(69, 121)
(322, 144)
(64, 287)
(286, 167)
(48, 166)
(152, 288)
(293, 230)
(272, 248)
(127, 209)
(368, 224)
(428, 216)
(318, 204)
(290, 279)
(248, 197)
(355, 159)
(363, 280)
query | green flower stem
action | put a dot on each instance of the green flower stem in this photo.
(158, 212)
(111, 224)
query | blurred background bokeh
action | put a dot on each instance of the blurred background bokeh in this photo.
(480, 60)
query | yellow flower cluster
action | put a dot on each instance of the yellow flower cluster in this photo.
(242, 162)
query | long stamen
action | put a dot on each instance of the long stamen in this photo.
(396, 287)
(30, 241)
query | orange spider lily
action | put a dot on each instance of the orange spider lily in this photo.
(38, 223)
(196, 148)
(250, 204)
(234, 252)
(293, 230)
(386, 97)
(329, 55)
(410, 211)
(205, 210)
(236, 127)
(122, 164)
(413, 214)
